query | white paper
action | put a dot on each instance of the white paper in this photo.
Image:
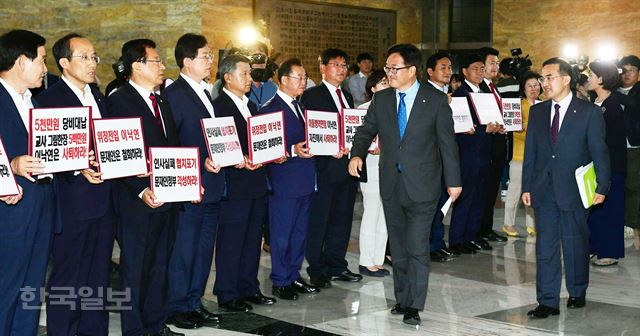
(60, 137)
(446, 206)
(462, 121)
(175, 173)
(8, 186)
(486, 108)
(266, 137)
(323, 132)
(119, 147)
(222, 141)
(512, 114)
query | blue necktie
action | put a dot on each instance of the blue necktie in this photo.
(402, 114)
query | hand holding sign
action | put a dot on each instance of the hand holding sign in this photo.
(25, 165)
(211, 167)
(11, 200)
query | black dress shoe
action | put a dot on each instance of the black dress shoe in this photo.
(384, 271)
(347, 276)
(462, 249)
(411, 316)
(482, 244)
(320, 282)
(259, 299)
(543, 311)
(365, 271)
(235, 305)
(494, 237)
(284, 292)
(168, 332)
(473, 245)
(184, 321)
(576, 302)
(446, 251)
(398, 309)
(436, 256)
(205, 316)
(304, 288)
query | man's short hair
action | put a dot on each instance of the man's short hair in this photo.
(332, 53)
(409, 53)
(609, 73)
(565, 68)
(62, 48)
(19, 42)
(135, 51)
(433, 59)
(486, 51)
(632, 60)
(469, 59)
(228, 65)
(187, 46)
(364, 56)
(286, 66)
(505, 66)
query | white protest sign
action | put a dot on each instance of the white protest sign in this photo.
(323, 132)
(512, 114)
(119, 147)
(462, 121)
(487, 108)
(175, 173)
(8, 186)
(222, 141)
(266, 137)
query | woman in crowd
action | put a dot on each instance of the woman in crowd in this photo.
(373, 228)
(606, 220)
(530, 90)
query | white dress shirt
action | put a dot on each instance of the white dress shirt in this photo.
(334, 95)
(86, 98)
(145, 95)
(473, 87)
(22, 101)
(199, 89)
(564, 105)
(444, 89)
(241, 103)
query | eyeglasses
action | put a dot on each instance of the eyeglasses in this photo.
(343, 65)
(87, 59)
(145, 60)
(395, 70)
(549, 78)
(207, 57)
(629, 71)
(301, 78)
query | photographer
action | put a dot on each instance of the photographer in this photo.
(262, 70)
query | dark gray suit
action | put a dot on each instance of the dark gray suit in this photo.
(411, 171)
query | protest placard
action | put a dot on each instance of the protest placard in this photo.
(175, 173)
(8, 185)
(323, 132)
(486, 108)
(266, 137)
(462, 121)
(119, 147)
(222, 141)
(512, 114)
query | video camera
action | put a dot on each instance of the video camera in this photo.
(262, 68)
(519, 65)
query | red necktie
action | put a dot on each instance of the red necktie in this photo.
(496, 95)
(156, 111)
(340, 98)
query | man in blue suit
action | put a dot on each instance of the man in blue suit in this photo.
(292, 184)
(81, 253)
(27, 223)
(564, 133)
(197, 223)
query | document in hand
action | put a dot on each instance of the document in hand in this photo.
(586, 179)
(462, 121)
(486, 108)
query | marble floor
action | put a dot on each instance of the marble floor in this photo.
(484, 294)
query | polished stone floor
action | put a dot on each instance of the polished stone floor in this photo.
(485, 294)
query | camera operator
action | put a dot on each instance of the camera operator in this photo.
(262, 70)
(508, 85)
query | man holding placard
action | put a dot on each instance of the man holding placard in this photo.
(293, 184)
(244, 210)
(332, 208)
(146, 230)
(26, 225)
(197, 224)
(81, 253)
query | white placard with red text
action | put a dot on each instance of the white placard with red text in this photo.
(222, 141)
(323, 132)
(266, 137)
(462, 121)
(175, 174)
(119, 147)
(351, 120)
(512, 114)
(8, 186)
(486, 108)
(60, 137)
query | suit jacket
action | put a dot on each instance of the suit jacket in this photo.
(631, 104)
(581, 139)
(126, 102)
(297, 176)
(77, 198)
(188, 110)
(241, 183)
(426, 152)
(329, 168)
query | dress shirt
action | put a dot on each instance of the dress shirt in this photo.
(145, 95)
(86, 98)
(199, 89)
(473, 87)
(241, 103)
(289, 102)
(410, 97)
(334, 95)
(564, 105)
(444, 88)
(22, 101)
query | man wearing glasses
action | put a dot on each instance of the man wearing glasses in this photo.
(415, 127)
(197, 224)
(146, 230)
(563, 134)
(332, 207)
(81, 253)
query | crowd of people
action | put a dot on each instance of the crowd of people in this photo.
(304, 204)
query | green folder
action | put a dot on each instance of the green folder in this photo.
(586, 179)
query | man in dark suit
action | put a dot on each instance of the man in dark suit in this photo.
(197, 223)
(292, 184)
(242, 212)
(27, 219)
(415, 126)
(563, 134)
(81, 253)
(146, 230)
(332, 207)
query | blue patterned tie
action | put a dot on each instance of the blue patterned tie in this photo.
(402, 114)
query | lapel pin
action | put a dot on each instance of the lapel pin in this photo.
(424, 101)
(574, 111)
